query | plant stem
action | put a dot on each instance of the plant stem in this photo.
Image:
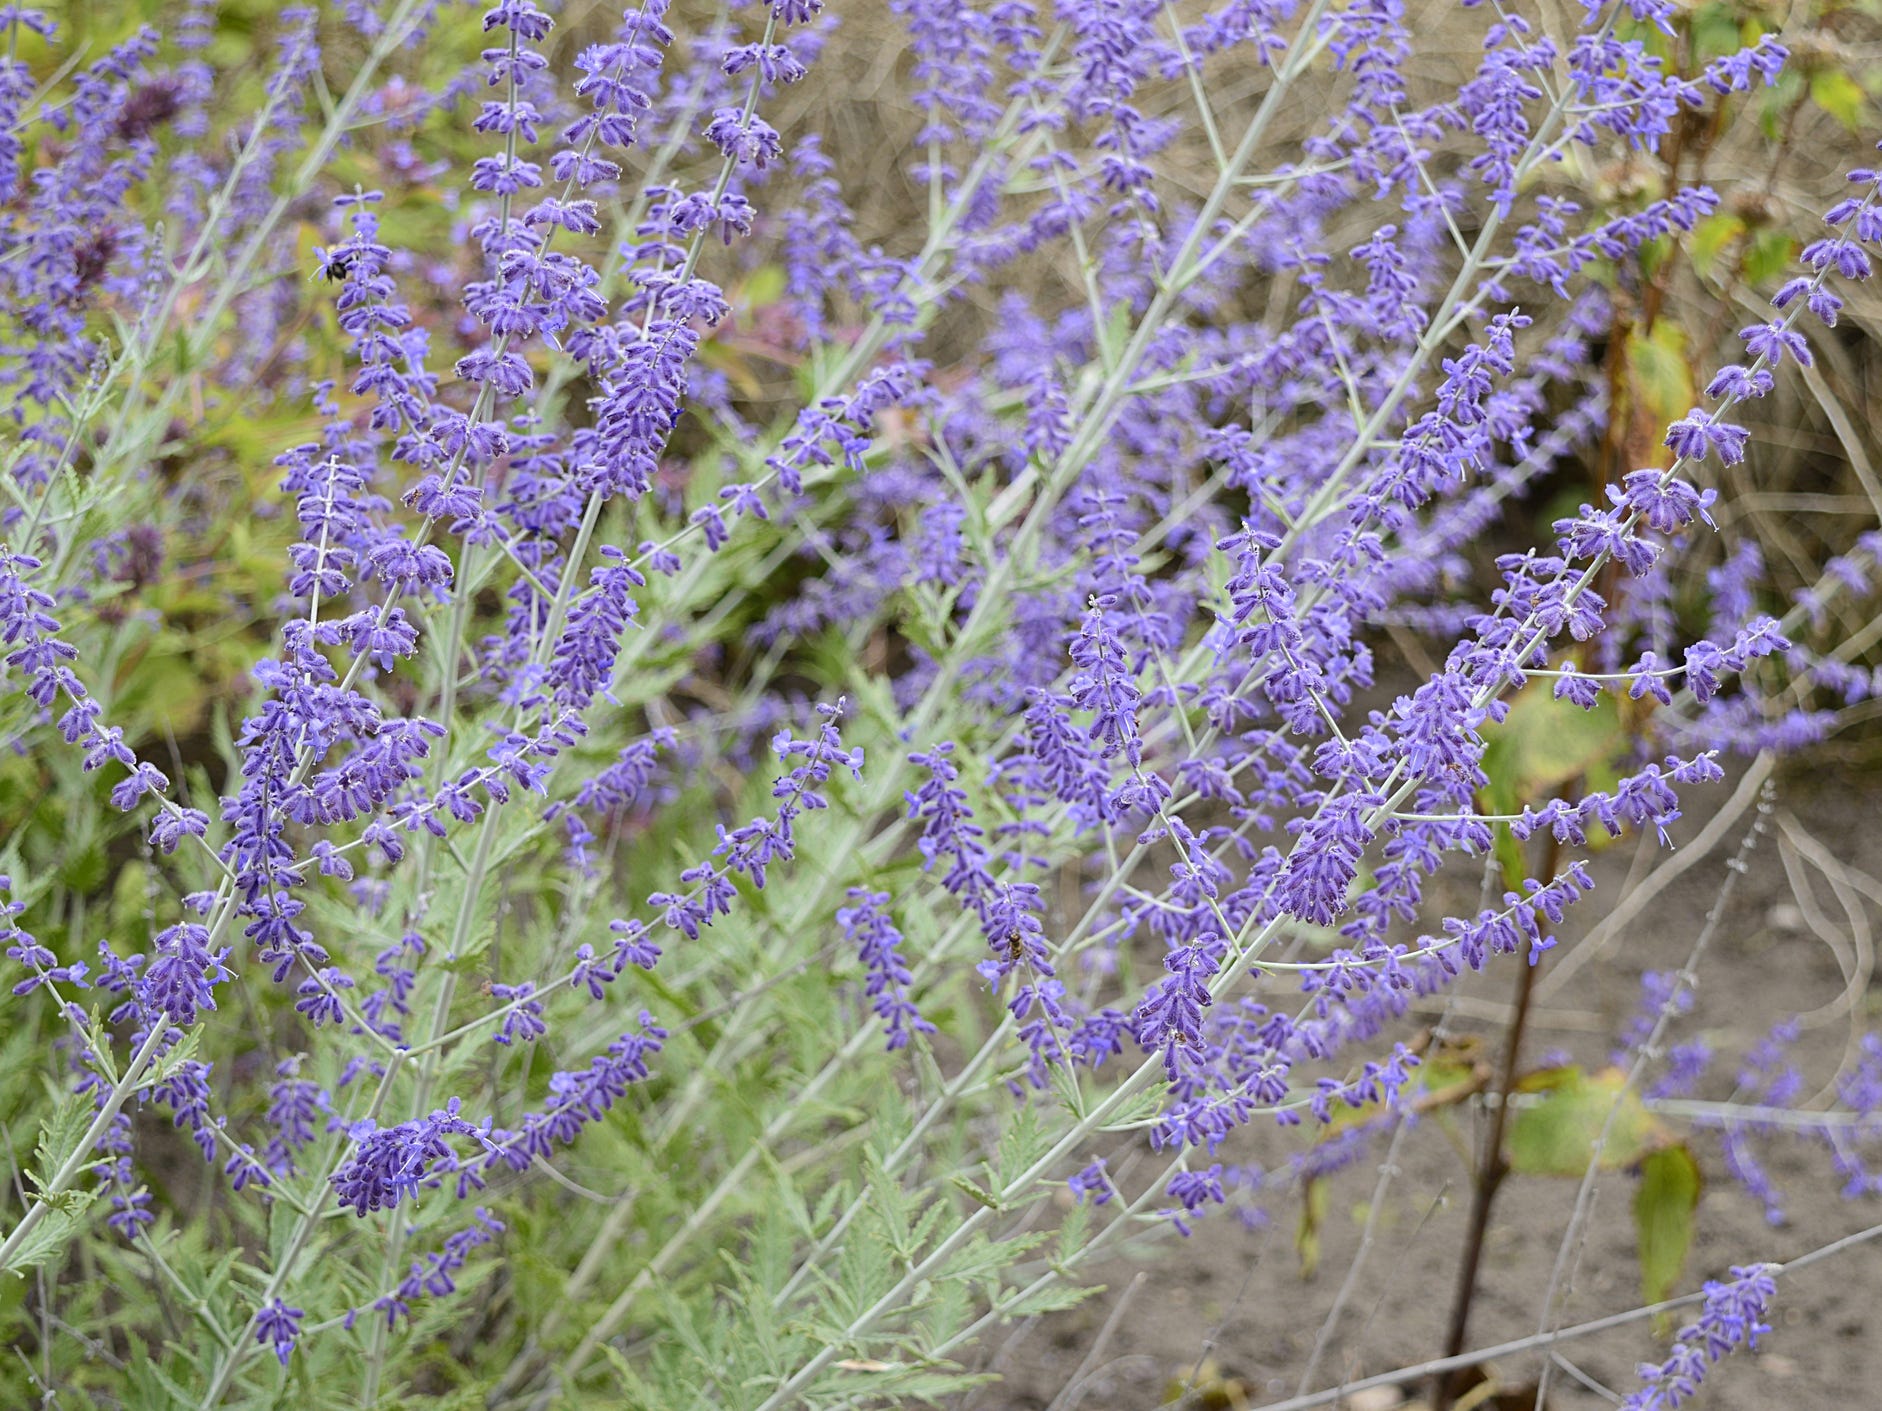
(1493, 1168)
(81, 1155)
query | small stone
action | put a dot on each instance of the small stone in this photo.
(1785, 916)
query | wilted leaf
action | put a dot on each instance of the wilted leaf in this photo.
(1209, 1388)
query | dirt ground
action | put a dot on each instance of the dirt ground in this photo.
(1234, 1301)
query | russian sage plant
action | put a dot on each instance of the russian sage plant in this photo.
(669, 746)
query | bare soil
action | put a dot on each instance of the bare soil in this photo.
(1228, 1314)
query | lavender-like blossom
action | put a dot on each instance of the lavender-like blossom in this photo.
(180, 981)
(434, 1276)
(278, 1327)
(867, 925)
(1731, 1316)
(388, 1165)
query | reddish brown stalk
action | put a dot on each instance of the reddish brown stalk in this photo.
(1493, 1167)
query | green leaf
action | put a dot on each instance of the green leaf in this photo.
(1119, 326)
(59, 1138)
(1556, 1135)
(1021, 1145)
(1663, 1217)
(1658, 373)
(183, 1052)
(1543, 743)
(764, 286)
(156, 1387)
(1653, 254)
(1313, 1214)
(631, 1381)
(84, 868)
(1134, 1110)
(165, 686)
(1716, 32)
(1769, 256)
(1074, 1230)
(129, 895)
(58, 1228)
(980, 1195)
(1709, 240)
(1053, 1298)
(282, 1219)
(1840, 96)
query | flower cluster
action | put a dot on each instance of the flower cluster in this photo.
(1731, 1317)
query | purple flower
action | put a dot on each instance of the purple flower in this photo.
(435, 1275)
(1171, 1015)
(524, 1020)
(576, 1098)
(1737, 383)
(277, 1327)
(1699, 434)
(391, 1164)
(1091, 1181)
(1769, 342)
(1731, 1316)
(1109, 574)
(1665, 503)
(1194, 1189)
(867, 926)
(180, 981)
(948, 829)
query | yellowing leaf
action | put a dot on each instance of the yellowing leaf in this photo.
(1658, 373)
(1840, 96)
(1709, 239)
(1554, 1134)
